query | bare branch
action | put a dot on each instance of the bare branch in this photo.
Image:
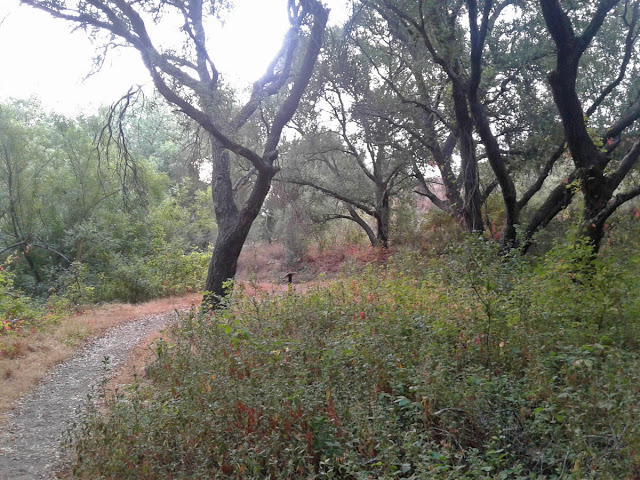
(616, 202)
(242, 181)
(26, 243)
(626, 164)
(628, 50)
(542, 176)
(289, 106)
(337, 195)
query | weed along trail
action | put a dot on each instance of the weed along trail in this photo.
(29, 443)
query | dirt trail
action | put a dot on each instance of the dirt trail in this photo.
(29, 443)
(30, 440)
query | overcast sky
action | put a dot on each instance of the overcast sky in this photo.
(41, 56)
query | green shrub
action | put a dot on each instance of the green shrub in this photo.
(17, 310)
(162, 270)
(474, 369)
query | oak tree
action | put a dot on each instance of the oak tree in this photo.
(347, 151)
(480, 84)
(186, 75)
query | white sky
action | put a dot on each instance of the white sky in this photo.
(40, 56)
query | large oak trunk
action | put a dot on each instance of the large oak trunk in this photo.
(471, 211)
(233, 225)
(596, 197)
(382, 215)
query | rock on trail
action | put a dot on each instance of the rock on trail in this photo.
(29, 443)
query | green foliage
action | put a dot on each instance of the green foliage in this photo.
(20, 313)
(138, 262)
(405, 221)
(595, 293)
(466, 368)
(438, 230)
(81, 233)
(73, 289)
(166, 271)
(16, 309)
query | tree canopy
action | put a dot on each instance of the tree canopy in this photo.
(530, 104)
(186, 76)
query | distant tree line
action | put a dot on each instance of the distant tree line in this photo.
(501, 113)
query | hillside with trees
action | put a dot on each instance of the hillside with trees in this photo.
(454, 184)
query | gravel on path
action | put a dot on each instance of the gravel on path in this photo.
(30, 442)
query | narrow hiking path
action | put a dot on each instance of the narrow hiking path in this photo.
(30, 438)
(29, 442)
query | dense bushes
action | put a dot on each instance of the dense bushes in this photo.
(464, 368)
(141, 263)
(78, 214)
(113, 268)
(16, 310)
(168, 272)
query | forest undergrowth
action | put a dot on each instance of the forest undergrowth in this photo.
(459, 367)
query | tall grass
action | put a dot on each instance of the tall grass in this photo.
(468, 368)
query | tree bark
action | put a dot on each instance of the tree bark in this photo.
(233, 225)
(478, 34)
(382, 216)
(590, 162)
(472, 205)
(364, 225)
